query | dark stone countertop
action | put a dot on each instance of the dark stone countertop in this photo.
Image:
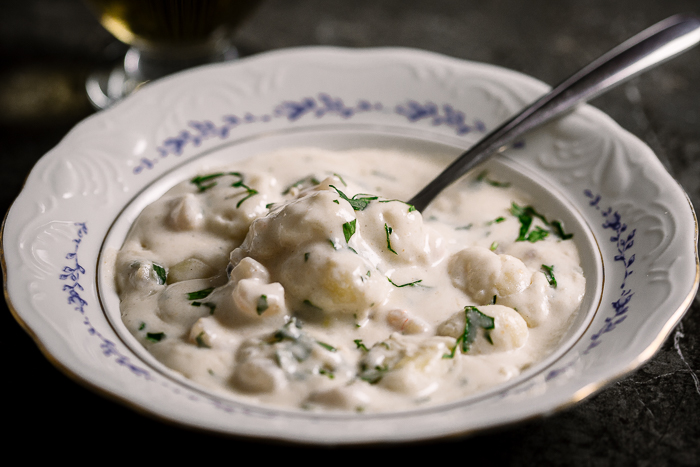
(651, 417)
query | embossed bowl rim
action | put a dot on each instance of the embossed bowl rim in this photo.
(127, 148)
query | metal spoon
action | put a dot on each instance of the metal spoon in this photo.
(647, 49)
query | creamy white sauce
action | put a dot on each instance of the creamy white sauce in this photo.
(301, 296)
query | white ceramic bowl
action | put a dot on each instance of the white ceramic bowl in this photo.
(633, 224)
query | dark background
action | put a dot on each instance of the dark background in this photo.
(651, 417)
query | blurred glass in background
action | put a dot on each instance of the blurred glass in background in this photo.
(165, 36)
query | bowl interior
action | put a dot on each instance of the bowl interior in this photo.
(426, 144)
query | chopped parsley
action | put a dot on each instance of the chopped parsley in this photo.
(328, 347)
(341, 179)
(239, 184)
(329, 373)
(349, 229)
(482, 177)
(335, 244)
(559, 231)
(497, 220)
(526, 215)
(409, 284)
(373, 375)
(142, 326)
(493, 246)
(269, 205)
(160, 272)
(290, 331)
(359, 202)
(549, 274)
(210, 305)
(204, 182)
(465, 227)
(200, 294)
(389, 231)
(200, 341)
(306, 256)
(262, 305)
(155, 336)
(411, 207)
(536, 235)
(309, 180)
(473, 320)
(360, 345)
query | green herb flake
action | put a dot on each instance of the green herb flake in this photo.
(549, 274)
(411, 207)
(473, 320)
(308, 180)
(155, 336)
(536, 235)
(160, 273)
(360, 345)
(142, 326)
(201, 181)
(336, 201)
(409, 284)
(210, 371)
(269, 205)
(306, 256)
(328, 347)
(493, 246)
(250, 192)
(389, 231)
(323, 371)
(559, 231)
(465, 227)
(526, 215)
(497, 220)
(205, 182)
(525, 218)
(341, 179)
(349, 229)
(200, 341)
(358, 202)
(374, 375)
(493, 302)
(482, 177)
(262, 305)
(335, 244)
(200, 294)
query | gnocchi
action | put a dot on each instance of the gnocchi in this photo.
(300, 278)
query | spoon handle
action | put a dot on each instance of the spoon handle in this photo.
(647, 49)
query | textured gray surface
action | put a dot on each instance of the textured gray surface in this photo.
(651, 417)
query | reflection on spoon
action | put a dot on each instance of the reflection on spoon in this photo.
(642, 52)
